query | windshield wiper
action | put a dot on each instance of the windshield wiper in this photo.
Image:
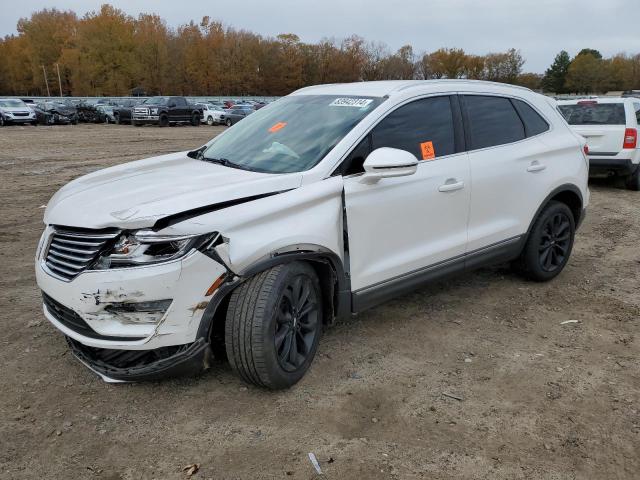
(225, 162)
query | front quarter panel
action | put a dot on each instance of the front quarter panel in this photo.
(308, 218)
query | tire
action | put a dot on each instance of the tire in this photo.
(210, 120)
(549, 244)
(117, 119)
(1, 121)
(264, 325)
(228, 122)
(633, 180)
(163, 121)
(195, 120)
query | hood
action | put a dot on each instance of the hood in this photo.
(24, 109)
(137, 194)
(62, 110)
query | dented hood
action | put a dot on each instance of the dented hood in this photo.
(137, 194)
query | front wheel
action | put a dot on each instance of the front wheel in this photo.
(163, 121)
(195, 120)
(209, 120)
(549, 244)
(273, 325)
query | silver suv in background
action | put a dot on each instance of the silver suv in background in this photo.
(14, 110)
(610, 126)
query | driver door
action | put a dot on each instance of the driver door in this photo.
(404, 230)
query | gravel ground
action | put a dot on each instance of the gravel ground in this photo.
(538, 399)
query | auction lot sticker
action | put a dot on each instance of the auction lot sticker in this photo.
(351, 102)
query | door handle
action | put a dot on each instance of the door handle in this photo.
(536, 167)
(450, 185)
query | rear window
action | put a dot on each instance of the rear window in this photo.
(594, 113)
(534, 124)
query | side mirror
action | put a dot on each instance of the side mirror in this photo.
(388, 162)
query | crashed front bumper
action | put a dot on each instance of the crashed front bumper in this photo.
(96, 298)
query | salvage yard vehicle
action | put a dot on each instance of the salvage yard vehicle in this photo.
(610, 126)
(212, 114)
(165, 111)
(105, 114)
(332, 200)
(235, 114)
(55, 113)
(122, 112)
(15, 111)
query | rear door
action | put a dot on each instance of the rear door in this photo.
(510, 173)
(602, 124)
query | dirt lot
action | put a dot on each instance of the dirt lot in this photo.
(540, 400)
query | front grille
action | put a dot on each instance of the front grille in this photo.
(20, 114)
(141, 111)
(71, 252)
(73, 321)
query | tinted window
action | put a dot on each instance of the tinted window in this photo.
(594, 113)
(492, 121)
(534, 124)
(412, 126)
(636, 107)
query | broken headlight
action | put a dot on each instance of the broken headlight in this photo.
(146, 247)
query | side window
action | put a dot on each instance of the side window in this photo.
(355, 161)
(636, 107)
(534, 124)
(492, 121)
(423, 127)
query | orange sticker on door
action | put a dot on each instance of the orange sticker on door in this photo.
(278, 126)
(428, 153)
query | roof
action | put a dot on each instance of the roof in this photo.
(389, 87)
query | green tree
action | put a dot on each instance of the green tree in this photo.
(555, 76)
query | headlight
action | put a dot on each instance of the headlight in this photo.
(146, 247)
(154, 111)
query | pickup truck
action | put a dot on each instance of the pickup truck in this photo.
(164, 111)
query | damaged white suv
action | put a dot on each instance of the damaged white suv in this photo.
(326, 202)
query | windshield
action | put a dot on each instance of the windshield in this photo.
(292, 134)
(12, 103)
(593, 113)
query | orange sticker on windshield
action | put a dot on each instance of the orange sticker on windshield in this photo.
(278, 126)
(428, 153)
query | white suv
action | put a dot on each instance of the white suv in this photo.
(322, 204)
(212, 114)
(610, 126)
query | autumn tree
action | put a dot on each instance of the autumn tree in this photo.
(586, 74)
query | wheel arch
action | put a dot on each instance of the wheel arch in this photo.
(570, 195)
(334, 282)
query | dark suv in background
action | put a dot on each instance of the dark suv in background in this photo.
(164, 111)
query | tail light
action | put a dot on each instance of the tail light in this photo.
(630, 138)
(585, 149)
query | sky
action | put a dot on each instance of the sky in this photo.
(538, 28)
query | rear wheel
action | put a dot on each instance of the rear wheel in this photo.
(549, 244)
(273, 325)
(633, 180)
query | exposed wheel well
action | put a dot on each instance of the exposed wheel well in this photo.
(571, 200)
(328, 275)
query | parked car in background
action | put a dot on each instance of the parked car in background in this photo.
(234, 115)
(122, 112)
(212, 114)
(15, 111)
(105, 114)
(335, 199)
(56, 113)
(164, 111)
(610, 126)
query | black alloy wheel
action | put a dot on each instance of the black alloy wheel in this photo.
(555, 242)
(297, 323)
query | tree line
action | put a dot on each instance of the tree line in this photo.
(111, 53)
